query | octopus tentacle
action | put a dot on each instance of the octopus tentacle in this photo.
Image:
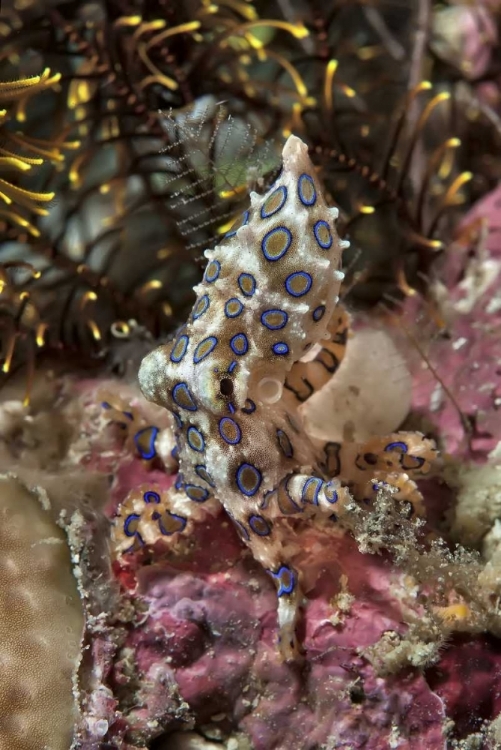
(141, 436)
(395, 460)
(307, 377)
(265, 332)
(149, 513)
(259, 532)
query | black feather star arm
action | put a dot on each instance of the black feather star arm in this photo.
(158, 117)
(144, 174)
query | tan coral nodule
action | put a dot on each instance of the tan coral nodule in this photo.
(41, 625)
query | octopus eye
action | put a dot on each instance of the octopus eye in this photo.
(226, 387)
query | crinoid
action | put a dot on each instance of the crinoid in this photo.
(146, 93)
(384, 149)
(20, 154)
(87, 288)
(145, 172)
(411, 196)
(21, 324)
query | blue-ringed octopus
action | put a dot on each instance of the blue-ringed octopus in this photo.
(266, 331)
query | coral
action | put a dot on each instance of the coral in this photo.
(465, 37)
(41, 625)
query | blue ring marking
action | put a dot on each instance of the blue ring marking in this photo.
(193, 435)
(295, 275)
(318, 486)
(319, 225)
(268, 236)
(284, 589)
(231, 408)
(243, 530)
(280, 348)
(397, 446)
(151, 452)
(179, 483)
(276, 326)
(212, 340)
(330, 493)
(258, 478)
(212, 271)
(223, 423)
(151, 497)
(204, 302)
(249, 409)
(232, 366)
(259, 525)
(420, 461)
(177, 419)
(193, 489)
(404, 448)
(285, 444)
(201, 471)
(233, 233)
(240, 527)
(266, 215)
(244, 277)
(175, 452)
(181, 390)
(128, 414)
(293, 503)
(266, 497)
(163, 530)
(183, 340)
(239, 344)
(306, 178)
(318, 313)
(130, 519)
(234, 314)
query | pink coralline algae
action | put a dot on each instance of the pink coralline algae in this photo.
(465, 35)
(201, 648)
(187, 646)
(467, 354)
(192, 639)
(472, 707)
(181, 643)
(181, 639)
(212, 634)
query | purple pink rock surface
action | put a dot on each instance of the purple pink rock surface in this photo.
(192, 640)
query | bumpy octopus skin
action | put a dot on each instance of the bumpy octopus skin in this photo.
(265, 332)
